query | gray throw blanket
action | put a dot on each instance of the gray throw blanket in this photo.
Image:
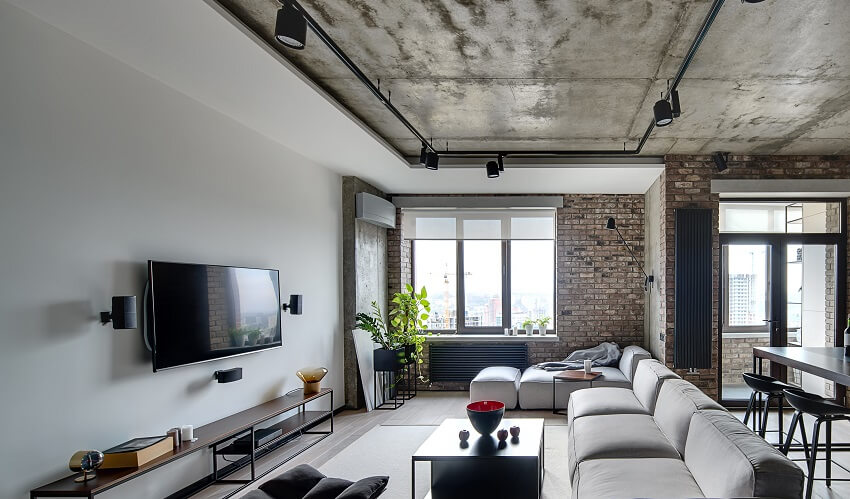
(602, 355)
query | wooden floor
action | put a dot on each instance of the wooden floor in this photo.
(430, 408)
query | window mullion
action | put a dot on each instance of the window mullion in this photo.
(506, 284)
(460, 319)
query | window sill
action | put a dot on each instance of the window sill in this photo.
(488, 338)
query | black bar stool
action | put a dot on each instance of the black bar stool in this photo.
(824, 411)
(772, 388)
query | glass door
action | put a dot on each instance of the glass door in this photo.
(782, 284)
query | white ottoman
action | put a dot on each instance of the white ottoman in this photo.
(496, 383)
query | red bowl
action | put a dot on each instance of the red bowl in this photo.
(485, 415)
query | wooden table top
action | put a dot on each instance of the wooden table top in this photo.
(825, 362)
(577, 375)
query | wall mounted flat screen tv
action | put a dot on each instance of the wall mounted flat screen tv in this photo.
(199, 312)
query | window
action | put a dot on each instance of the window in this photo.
(788, 217)
(485, 270)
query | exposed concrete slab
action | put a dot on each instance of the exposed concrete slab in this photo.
(544, 74)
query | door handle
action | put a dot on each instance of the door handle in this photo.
(770, 320)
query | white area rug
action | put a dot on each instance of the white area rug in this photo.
(386, 450)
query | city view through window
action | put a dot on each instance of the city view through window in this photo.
(532, 278)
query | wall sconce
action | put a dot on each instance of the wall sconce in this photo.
(648, 279)
(294, 306)
(123, 315)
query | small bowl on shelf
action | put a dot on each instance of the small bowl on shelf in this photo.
(485, 415)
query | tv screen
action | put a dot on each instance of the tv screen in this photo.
(205, 312)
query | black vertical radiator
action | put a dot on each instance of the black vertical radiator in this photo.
(693, 321)
(462, 361)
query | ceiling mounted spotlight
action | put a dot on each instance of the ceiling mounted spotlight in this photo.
(492, 169)
(291, 27)
(663, 113)
(501, 163)
(752, 1)
(721, 160)
(432, 160)
(423, 155)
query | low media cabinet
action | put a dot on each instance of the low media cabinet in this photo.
(218, 436)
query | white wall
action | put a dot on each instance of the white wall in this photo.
(101, 169)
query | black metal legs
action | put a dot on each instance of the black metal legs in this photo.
(811, 478)
(751, 405)
(797, 419)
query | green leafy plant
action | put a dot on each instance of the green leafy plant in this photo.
(409, 318)
(253, 336)
(237, 335)
(374, 323)
(528, 322)
(543, 322)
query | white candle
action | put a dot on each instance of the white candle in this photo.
(187, 433)
(588, 364)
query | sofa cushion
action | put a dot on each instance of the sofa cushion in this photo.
(619, 478)
(604, 400)
(632, 354)
(328, 488)
(678, 400)
(649, 376)
(728, 460)
(294, 483)
(535, 389)
(614, 436)
(499, 383)
(366, 488)
(611, 376)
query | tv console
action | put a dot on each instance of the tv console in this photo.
(219, 436)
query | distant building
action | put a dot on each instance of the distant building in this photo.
(742, 300)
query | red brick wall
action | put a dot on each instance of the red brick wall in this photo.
(687, 184)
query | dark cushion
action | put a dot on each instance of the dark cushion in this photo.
(257, 494)
(294, 483)
(368, 488)
(328, 488)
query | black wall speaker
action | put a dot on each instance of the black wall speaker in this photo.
(295, 304)
(228, 375)
(123, 315)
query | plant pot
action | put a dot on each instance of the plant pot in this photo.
(529, 330)
(388, 360)
(409, 353)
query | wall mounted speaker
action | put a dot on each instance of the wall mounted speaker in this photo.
(123, 315)
(295, 304)
(228, 375)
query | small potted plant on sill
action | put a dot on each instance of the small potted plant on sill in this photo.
(542, 323)
(528, 324)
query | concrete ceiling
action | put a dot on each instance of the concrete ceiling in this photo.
(770, 78)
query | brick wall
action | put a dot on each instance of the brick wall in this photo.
(599, 290)
(738, 357)
(686, 183)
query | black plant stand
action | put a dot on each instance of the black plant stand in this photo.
(392, 397)
(410, 389)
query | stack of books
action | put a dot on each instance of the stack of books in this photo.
(136, 452)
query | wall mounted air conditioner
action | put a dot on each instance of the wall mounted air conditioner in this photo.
(374, 210)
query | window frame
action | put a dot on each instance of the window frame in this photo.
(460, 295)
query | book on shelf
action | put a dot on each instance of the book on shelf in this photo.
(136, 452)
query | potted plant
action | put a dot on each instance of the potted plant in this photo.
(528, 324)
(542, 323)
(253, 336)
(409, 319)
(390, 355)
(237, 337)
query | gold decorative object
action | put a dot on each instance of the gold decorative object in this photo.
(86, 461)
(312, 378)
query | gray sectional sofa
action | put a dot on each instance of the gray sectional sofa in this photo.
(665, 438)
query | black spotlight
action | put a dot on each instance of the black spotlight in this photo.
(663, 113)
(752, 1)
(674, 102)
(501, 163)
(610, 224)
(423, 155)
(291, 27)
(721, 160)
(492, 169)
(432, 160)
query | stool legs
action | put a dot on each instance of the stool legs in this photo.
(791, 429)
(829, 453)
(814, 456)
(751, 405)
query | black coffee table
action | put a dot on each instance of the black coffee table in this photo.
(483, 469)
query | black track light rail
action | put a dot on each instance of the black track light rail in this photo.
(352, 66)
(342, 56)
